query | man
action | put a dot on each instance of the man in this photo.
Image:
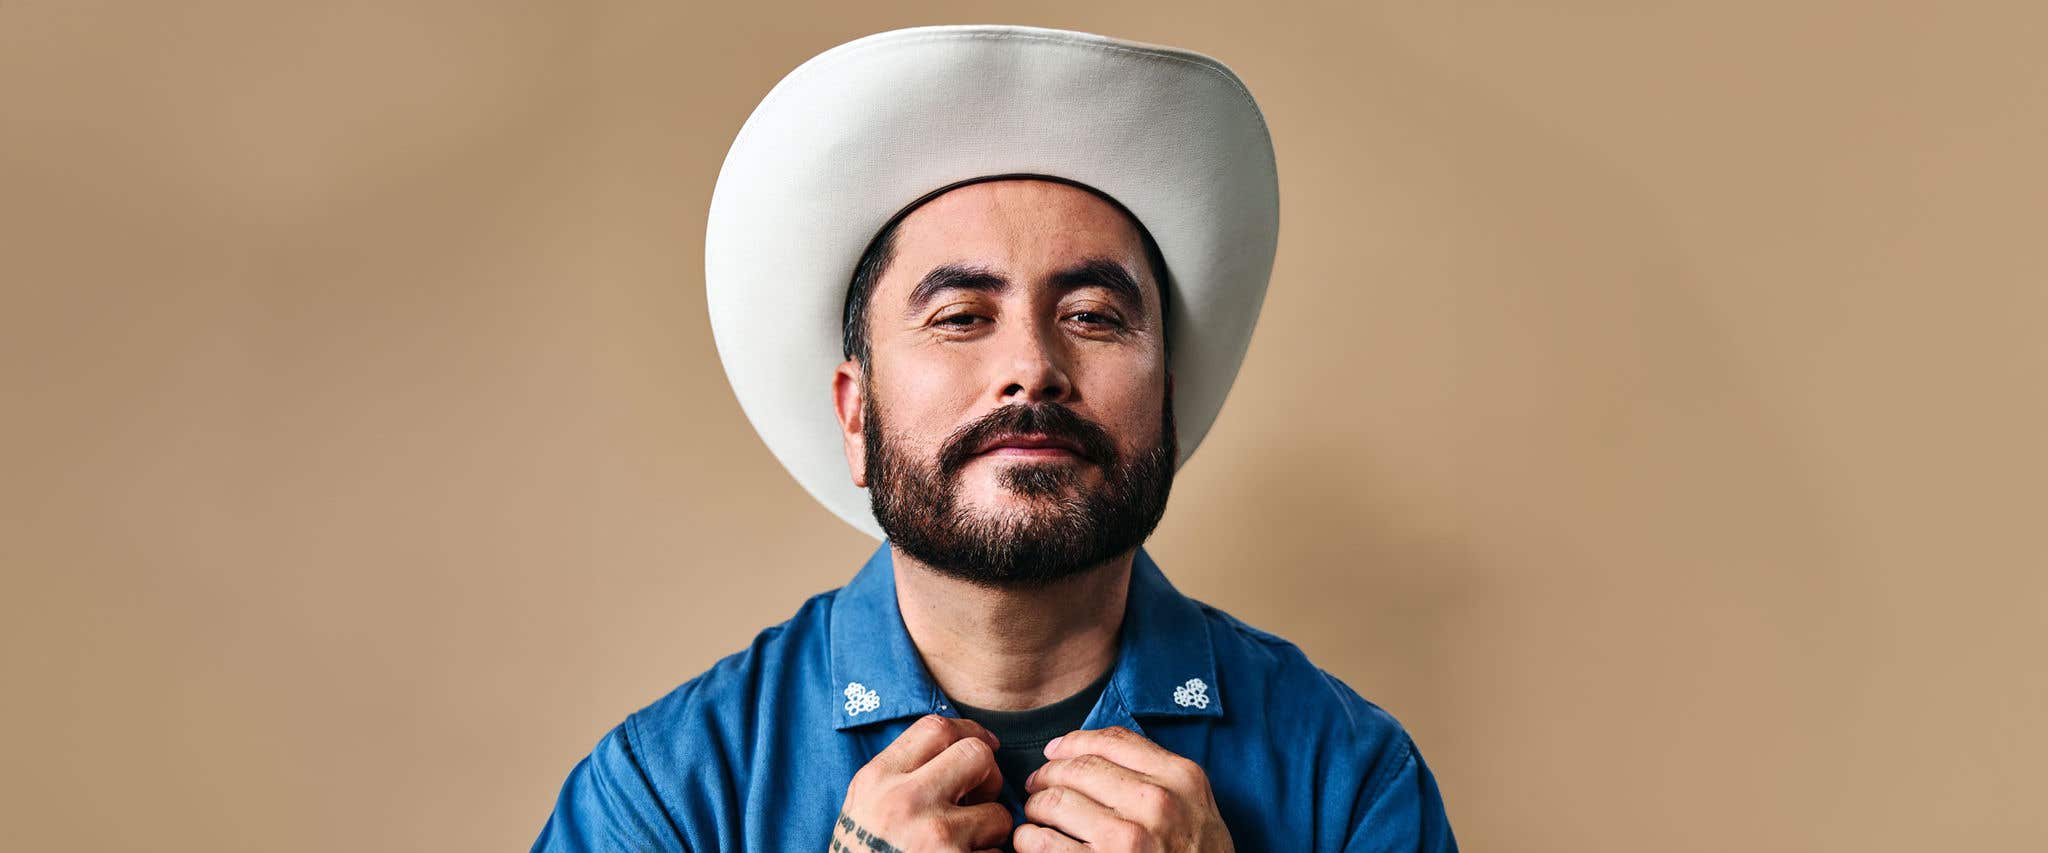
(1029, 262)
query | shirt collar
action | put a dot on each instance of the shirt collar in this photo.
(876, 672)
(1165, 664)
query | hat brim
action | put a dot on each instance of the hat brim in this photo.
(848, 139)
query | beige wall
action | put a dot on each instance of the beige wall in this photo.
(1648, 409)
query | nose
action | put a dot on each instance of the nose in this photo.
(1032, 369)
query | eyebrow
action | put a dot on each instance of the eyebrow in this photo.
(953, 277)
(1103, 273)
(1094, 272)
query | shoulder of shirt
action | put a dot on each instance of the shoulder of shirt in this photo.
(725, 698)
(1280, 669)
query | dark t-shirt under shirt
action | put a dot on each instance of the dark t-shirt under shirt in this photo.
(1024, 734)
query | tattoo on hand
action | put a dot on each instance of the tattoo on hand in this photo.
(861, 833)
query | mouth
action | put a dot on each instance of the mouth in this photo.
(1030, 446)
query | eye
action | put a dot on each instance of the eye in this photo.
(957, 321)
(1097, 319)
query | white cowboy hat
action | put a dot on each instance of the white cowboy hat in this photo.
(849, 139)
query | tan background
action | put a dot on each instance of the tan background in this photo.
(1648, 409)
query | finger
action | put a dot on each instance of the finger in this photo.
(1117, 744)
(1031, 838)
(965, 766)
(988, 790)
(925, 739)
(1135, 797)
(986, 825)
(970, 728)
(1077, 815)
(1093, 775)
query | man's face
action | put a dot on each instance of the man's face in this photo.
(1014, 422)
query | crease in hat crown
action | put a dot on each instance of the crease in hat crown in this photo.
(842, 144)
(1010, 32)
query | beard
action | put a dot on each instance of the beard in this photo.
(1064, 527)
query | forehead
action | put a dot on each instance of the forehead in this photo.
(1027, 229)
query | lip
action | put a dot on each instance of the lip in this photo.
(1029, 446)
(1030, 452)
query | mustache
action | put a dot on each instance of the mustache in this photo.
(1050, 419)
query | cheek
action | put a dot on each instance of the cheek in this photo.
(923, 406)
(1128, 404)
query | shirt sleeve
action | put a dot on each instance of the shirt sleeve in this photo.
(607, 804)
(1402, 812)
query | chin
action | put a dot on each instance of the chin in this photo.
(1035, 485)
(1002, 504)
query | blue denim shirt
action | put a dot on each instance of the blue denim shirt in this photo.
(756, 754)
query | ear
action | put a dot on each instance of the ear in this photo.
(846, 402)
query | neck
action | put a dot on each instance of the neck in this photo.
(1013, 649)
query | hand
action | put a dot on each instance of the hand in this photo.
(931, 791)
(1111, 789)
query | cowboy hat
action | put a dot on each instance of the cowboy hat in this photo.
(852, 138)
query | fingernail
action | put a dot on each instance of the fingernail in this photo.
(1052, 745)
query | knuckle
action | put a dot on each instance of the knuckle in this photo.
(1123, 835)
(1151, 801)
(965, 754)
(1047, 775)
